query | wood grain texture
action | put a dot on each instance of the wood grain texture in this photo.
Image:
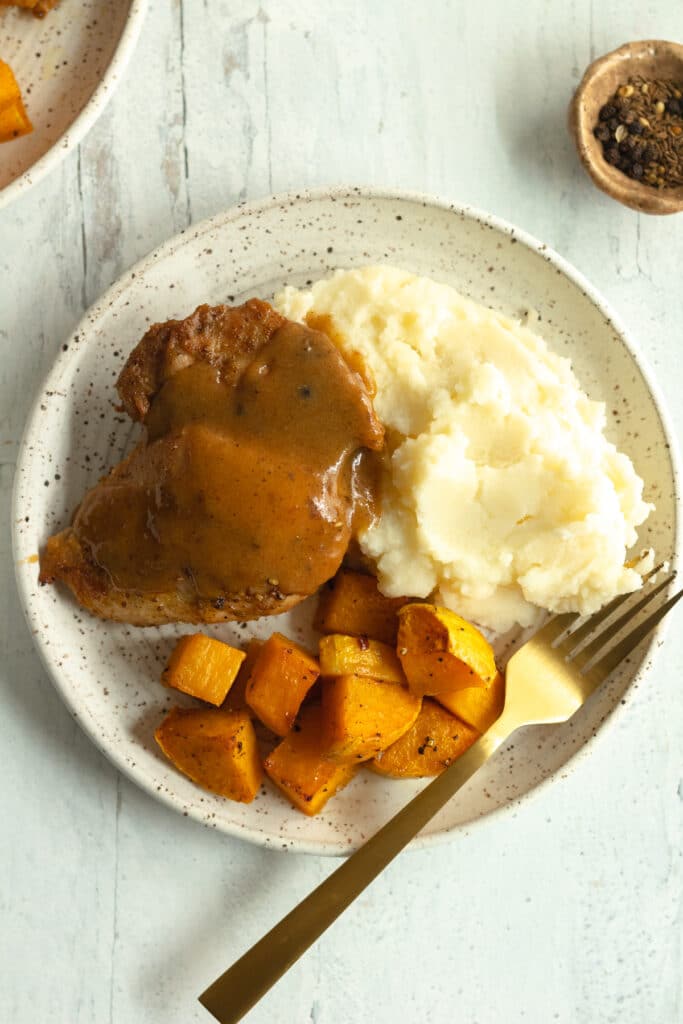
(115, 910)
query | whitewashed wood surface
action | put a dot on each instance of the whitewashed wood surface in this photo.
(114, 910)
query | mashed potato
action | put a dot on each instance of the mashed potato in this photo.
(502, 495)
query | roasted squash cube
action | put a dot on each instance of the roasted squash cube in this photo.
(300, 768)
(203, 668)
(282, 675)
(479, 706)
(216, 749)
(362, 716)
(14, 120)
(439, 651)
(351, 603)
(434, 741)
(359, 656)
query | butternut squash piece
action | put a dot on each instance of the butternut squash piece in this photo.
(439, 651)
(433, 742)
(358, 656)
(216, 749)
(236, 699)
(282, 675)
(351, 603)
(203, 668)
(9, 87)
(300, 768)
(479, 706)
(362, 716)
(14, 121)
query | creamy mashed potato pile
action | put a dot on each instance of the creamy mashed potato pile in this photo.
(502, 495)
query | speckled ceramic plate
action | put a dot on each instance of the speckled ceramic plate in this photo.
(67, 65)
(108, 674)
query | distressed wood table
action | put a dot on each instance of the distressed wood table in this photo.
(113, 909)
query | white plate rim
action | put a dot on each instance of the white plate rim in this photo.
(81, 125)
(250, 208)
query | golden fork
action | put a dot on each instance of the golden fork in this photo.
(547, 680)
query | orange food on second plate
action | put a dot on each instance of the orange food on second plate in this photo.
(38, 8)
(14, 121)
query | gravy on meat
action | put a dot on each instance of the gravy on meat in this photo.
(260, 484)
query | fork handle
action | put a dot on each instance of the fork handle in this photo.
(242, 985)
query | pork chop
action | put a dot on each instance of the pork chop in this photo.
(241, 499)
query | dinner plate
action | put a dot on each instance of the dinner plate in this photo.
(108, 673)
(67, 65)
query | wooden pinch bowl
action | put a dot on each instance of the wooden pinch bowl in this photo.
(651, 59)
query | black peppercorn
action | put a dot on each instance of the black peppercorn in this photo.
(637, 171)
(608, 111)
(612, 155)
(635, 128)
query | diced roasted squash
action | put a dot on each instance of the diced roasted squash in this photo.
(358, 656)
(300, 768)
(14, 120)
(479, 706)
(362, 716)
(9, 87)
(236, 699)
(38, 8)
(351, 603)
(216, 749)
(203, 667)
(433, 742)
(439, 651)
(282, 675)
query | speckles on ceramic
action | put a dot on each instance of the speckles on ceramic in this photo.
(67, 65)
(108, 674)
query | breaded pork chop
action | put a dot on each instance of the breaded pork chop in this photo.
(240, 501)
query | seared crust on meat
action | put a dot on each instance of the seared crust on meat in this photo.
(66, 559)
(226, 337)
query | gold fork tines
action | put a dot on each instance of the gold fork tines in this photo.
(543, 684)
(587, 628)
(585, 653)
(613, 658)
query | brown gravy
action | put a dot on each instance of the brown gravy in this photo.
(258, 486)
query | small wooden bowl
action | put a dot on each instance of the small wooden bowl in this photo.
(652, 59)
